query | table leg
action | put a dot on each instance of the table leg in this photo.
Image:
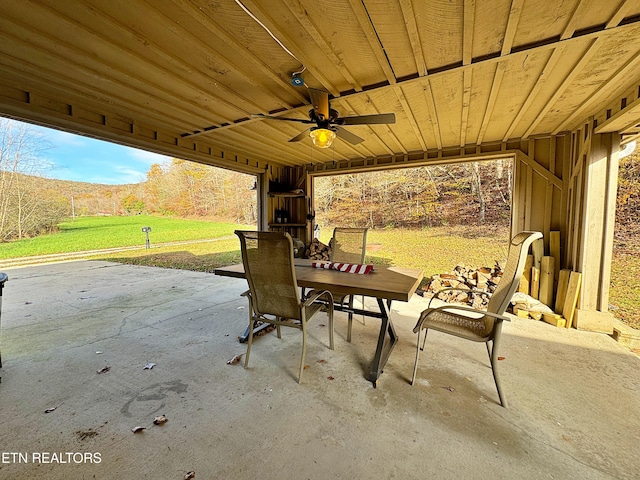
(385, 343)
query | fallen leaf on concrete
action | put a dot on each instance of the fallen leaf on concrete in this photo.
(103, 370)
(149, 366)
(49, 410)
(160, 420)
(235, 359)
(500, 358)
(451, 389)
(330, 377)
(190, 475)
(322, 361)
(138, 429)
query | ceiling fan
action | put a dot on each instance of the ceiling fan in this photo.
(328, 123)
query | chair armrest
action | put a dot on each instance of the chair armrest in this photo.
(463, 308)
(246, 294)
(449, 289)
(314, 295)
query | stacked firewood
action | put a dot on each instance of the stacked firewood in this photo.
(318, 250)
(470, 281)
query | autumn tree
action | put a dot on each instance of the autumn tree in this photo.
(25, 208)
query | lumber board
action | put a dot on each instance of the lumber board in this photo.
(525, 280)
(546, 281)
(571, 300)
(537, 248)
(554, 251)
(561, 294)
(554, 319)
(535, 282)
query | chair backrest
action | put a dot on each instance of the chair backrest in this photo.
(268, 264)
(349, 245)
(518, 250)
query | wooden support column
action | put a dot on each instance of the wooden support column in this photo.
(597, 221)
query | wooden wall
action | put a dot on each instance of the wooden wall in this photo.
(567, 183)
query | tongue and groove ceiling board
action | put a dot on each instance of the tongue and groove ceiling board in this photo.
(184, 77)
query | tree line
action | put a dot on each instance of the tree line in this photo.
(477, 193)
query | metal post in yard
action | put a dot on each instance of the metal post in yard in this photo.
(146, 230)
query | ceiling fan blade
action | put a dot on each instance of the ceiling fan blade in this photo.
(301, 136)
(348, 136)
(286, 119)
(320, 103)
(369, 119)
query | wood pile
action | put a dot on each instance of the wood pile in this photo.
(473, 282)
(318, 250)
(555, 288)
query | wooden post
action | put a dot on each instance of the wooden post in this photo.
(535, 282)
(563, 284)
(571, 300)
(525, 280)
(554, 251)
(546, 281)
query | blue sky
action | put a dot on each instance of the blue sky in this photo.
(83, 159)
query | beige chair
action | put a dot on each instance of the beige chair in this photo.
(273, 293)
(348, 245)
(480, 325)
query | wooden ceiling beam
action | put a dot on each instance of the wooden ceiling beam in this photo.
(630, 67)
(409, 113)
(337, 61)
(466, 102)
(588, 55)
(570, 28)
(545, 75)
(620, 13)
(493, 97)
(512, 26)
(433, 113)
(414, 36)
(253, 63)
(468, 21)
(361, 14)
(311, 64)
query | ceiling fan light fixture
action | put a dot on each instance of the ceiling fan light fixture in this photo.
(322, 137)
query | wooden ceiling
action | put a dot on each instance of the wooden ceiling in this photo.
(183, 77)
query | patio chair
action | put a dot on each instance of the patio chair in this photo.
(348, 245)
(480, 325)
(273, 293)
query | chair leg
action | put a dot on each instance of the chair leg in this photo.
(330, 314)
(350, 319)
(304, 348)
(415, 365)
(249, 342)
(493, 357)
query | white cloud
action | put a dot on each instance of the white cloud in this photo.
(147, 158)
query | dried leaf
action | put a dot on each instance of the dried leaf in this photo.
(160, 420)
(500, 358)
(138, 429)
(451, 389)
(190, 475)
(235, 359)
(330, 377)
(49, 410)
(322, 361)
(149, 366)
(103, 370)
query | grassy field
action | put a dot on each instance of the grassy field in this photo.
(93, 233)
(435, 250)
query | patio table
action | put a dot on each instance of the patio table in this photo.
(385, 284)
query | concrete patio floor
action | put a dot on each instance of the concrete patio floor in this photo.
(574, 397)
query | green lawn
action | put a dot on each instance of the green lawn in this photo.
(434, 250)
(91, 233)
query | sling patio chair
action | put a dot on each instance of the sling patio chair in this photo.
(480, 325)
(273, 293)
(348, 245)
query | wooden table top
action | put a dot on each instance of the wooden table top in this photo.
(390, 283)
